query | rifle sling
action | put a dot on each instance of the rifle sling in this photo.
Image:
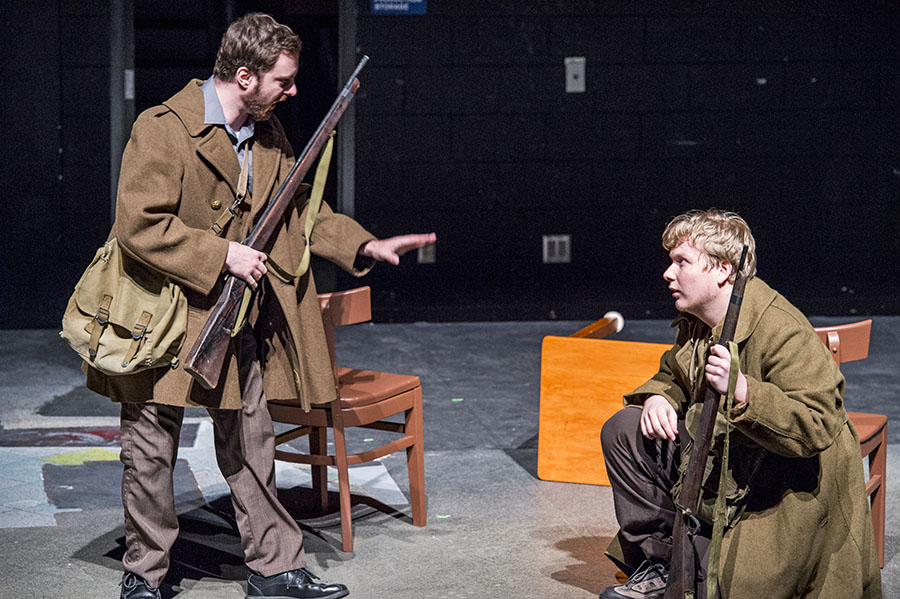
(241, 193)
(715, 545)
(312, 212)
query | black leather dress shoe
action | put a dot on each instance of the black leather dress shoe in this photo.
(135, 587)
(296, 584)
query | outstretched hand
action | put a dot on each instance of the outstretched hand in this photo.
(390, 249)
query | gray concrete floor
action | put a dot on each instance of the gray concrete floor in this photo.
(494, 529)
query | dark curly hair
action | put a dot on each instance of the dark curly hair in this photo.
(255, 41)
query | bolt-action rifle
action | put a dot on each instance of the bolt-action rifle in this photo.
(682, 569)
(204, 361)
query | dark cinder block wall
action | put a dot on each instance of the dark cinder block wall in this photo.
(786, 112)
(56, 153)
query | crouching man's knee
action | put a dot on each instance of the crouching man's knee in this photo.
(619, 430)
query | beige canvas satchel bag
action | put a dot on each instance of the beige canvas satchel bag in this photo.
(123, 316)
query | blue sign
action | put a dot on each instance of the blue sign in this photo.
(399, 7)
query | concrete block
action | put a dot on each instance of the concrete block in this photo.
(691, 134)
(606, 40)
(84, 40)
(693, 39)
(819, 85)
(484, 138)
(401, 40)
(756, 86)
(640, 87)
(382, 90)
(403, 139)
(586, 137)
(472, 89)
(516, 39)
(792, 133)
(786, 37)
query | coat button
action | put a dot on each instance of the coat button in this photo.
(215, 204)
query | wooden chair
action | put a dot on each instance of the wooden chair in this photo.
(849, 342)
(366, 399)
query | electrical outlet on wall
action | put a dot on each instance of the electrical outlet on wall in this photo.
(557, 249)
(575, 68)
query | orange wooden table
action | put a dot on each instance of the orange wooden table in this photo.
(582, 384)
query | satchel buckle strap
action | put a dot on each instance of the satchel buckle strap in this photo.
(102, 315)
(96, 326)
(137, 335)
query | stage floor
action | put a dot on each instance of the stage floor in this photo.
(494, 529)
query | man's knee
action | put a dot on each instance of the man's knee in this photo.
(620, 427)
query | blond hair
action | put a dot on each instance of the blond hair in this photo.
(255, 41)
(718, 234)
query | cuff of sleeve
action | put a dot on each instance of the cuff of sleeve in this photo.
(210, 276)
(362, 263)
(739, 411)
(638, 399)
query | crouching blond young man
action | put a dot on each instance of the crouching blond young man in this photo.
(798, 522)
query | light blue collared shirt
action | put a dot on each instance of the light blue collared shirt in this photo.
(215, 115)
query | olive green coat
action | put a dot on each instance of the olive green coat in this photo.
(804, 528)
(178, 175)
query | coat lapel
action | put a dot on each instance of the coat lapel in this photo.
(213, 145)
(266, 162)
(216, 150)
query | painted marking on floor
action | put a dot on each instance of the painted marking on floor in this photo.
(24, 499)
(76, 458)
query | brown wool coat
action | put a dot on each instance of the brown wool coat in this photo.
(178, 175)
(806, 530)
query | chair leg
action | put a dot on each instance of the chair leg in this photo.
(878, 467)
(415, 461)
(340, 458)
(318, 445)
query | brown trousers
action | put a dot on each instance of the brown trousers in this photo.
(641, 473)
(245, 452)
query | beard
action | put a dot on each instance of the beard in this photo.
(259, 110)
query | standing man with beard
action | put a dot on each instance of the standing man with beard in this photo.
(188, 161)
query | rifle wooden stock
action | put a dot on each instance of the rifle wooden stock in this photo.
(207, 356)
(205, 360)
(682, 569)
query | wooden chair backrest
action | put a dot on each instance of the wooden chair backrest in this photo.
(341, 308)
(847, 342)
(346, 307)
